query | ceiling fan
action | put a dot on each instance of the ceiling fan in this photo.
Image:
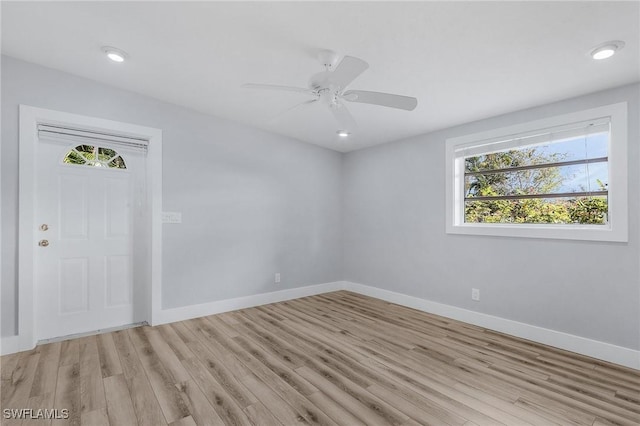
(330, 88)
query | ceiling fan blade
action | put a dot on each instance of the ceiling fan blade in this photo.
(347, 71)
(277, 87)
(344, 117)
(301, 104)
(383, 99)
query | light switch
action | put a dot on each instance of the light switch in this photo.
(171, 217)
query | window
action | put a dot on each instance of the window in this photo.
(563, 177)
(94, 156)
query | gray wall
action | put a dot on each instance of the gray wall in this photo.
(252, 203)
(394, 221)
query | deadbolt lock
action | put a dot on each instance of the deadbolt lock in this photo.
(44, 227)
(43, 243)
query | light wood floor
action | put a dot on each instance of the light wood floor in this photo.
(338, 358)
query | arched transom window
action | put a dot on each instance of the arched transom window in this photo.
(95, 156)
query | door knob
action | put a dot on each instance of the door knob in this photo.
(43, 243)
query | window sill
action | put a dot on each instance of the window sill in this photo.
(562, 232)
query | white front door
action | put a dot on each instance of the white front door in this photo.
(85, 212)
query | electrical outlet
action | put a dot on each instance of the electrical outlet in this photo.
(475, 294)
(277, 279)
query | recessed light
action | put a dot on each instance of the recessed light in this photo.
(343, 133)
(115, 57)
(607, 50)
(115, 54)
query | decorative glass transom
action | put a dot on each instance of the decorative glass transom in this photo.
(94, 156)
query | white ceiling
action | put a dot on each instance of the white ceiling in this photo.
(464, 61)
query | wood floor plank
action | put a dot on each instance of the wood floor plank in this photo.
(277, 406)
(109, 360)
(303, 406)
(201, 411)
(161, 380)
(364, 407)
(70, 352)
(334, 410)
(625, 376)
(183, 332)
(92, 396)
(145, 403)
(278, 347)
(95, 418)
(231, 383)
(185, 421)
(172, 339)
(17, 387)
(68, 392)
(39, 402)
(8, 365)
(259, 415)
(225, 406)
(335, 358)
(555, 416)
(120, 409)
(277, 367)
(166, 356)
(425, 415)
(46, 373)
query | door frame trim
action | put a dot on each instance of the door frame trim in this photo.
(30, 117)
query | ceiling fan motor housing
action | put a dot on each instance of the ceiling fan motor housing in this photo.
(321, 80)
(328, 58)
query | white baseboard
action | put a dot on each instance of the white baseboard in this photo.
(593, 348)
(11, 344)
(217, 307)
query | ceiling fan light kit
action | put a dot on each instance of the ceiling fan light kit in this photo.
(330, 88)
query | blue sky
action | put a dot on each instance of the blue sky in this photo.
(582, 177)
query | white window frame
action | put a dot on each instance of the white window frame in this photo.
(616, 228)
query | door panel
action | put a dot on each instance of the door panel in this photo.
(118, 209)
(74, 285)
(74, 206)
(118, 280)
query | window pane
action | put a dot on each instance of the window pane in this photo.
(85, 149)
(105, 154)
(590, 146)
(581, 210)
(73, 157)
(581, 148)
(584, 177)
(117, 163)
(546, 180)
